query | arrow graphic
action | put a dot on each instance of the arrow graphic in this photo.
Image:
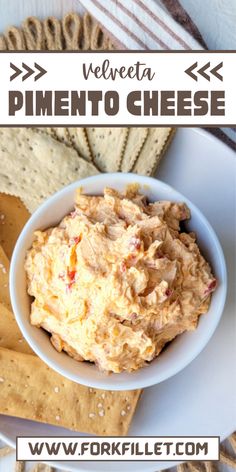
(17, 71)
(189, 71)
(29, 71)
(214, 71)
(202, 71)
(41, 71)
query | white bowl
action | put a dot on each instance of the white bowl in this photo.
(179, 352)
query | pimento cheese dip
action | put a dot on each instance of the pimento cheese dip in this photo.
(117, 279)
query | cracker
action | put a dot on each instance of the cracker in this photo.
(13, 216)
(153, 150)
(135, 141)
(79, 140)
(34, 165)
(62, 134)
(30, 389)
(10, 334)
(107, 146)
(73, 137)
(50, 131)
(4, 280)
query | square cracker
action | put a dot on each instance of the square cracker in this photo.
(134, 144)
(153, 150)
(13, 216)
(4, 280)
(107, 146)
(34, 165)
(29, 389)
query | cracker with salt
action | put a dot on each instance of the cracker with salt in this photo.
(4, 280)
(30, 389)
(153, 149)
(135, 141)
(107, 146)
(10, 335)
(80, 142)
(13, 216)
(33, 165)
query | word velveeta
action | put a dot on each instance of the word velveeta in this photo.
(141, 101)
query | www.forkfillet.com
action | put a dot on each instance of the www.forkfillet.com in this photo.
(137, 102)
(117, 448)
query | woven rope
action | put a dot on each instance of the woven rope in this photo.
(71, 33)
(15, 39)
(33, 32)
(80, 33)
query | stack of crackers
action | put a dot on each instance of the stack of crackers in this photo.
(37, 162)
(34, 163)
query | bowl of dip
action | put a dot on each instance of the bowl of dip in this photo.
(123, 304)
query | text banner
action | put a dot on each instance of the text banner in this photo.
(118, 88)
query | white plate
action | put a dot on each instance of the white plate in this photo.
(200, 400)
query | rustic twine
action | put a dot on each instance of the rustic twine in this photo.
(15, 39)
(73, 32)
(72, 29)
(80, 33)
(53, 33)
(34, 35)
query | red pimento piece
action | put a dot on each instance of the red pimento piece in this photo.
(74, 241)
(123, 267)
(71, 275)
(77, 239)
(211, 287)
(169, 292)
